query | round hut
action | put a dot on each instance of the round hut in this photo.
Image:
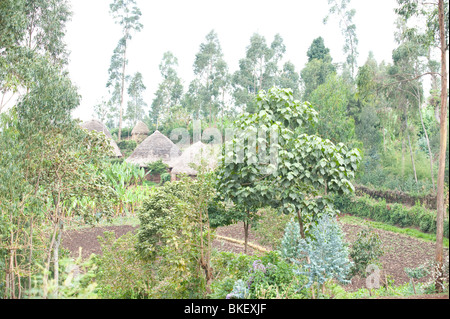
(195, 155)
(155, 147)
(98, 126)
(140, 132)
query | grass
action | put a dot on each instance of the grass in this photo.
(405, 231)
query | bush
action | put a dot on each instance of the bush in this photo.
(121, 274)
(290, 245)
(269, 277)
(394, 214)
(327, 252)
(365, 250)
(157, 167)
(270, 228)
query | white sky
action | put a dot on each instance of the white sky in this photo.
(180, 26)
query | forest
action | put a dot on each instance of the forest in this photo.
(308, 171)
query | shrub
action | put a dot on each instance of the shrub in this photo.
(365, 250)
(290, 245)
(121, 274)
(393, 214)
(157, 167)
(270, 277)
(270, 228)
(327, 252)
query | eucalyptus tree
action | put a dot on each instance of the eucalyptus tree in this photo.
(126, 14)
(331, 100)
(436, 16)
(268, 159)
(211, 77)
(348, 29)
(29, 28)
(170, 90)
(136, 103)
(259, 70)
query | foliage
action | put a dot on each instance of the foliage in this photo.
(331, 99)
(127, 147)
(76, 282)
(157, 167)
(175, 233)
(348, 29)
(252, 179)
(290, 245)
(327, 254)
(206, 91)
(270, 227)
(126, 14)
(169, 92)
(365, 250)
(318, 68)
(120, 273)
(269, 277)
(136, 104)
(392, 214)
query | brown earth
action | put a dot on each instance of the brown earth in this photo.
(400, 251)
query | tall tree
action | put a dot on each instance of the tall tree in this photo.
(259, 70)
(29, 28)
(436, 16)
(127, 15)
(136, 102)
(318, 50)
(331, 101)
(212, 78)
(348, 29)
(169, 92)
(318, 68)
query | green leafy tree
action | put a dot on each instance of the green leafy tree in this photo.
(28, 29)
(348, 29)
(318, 68)
(175, 234)
(318, 50)
(331, 100)
(127, 15)
(210, 85)
(136, 103)
(169, 92)
(436, 32)
(289, 169)
(259, 70)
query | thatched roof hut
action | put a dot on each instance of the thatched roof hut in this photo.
(195, 154)
(95, 125)
(155, 147)
(140, 132)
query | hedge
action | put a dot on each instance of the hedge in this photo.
(393, 214)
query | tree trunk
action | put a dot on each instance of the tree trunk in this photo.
(412, 158)
(122, 91)
(246, 223)
(300, 222)
(443, 146)
(429, 149)
(56, 258)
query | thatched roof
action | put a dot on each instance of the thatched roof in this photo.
(155, 147)
(195, 154)
(140, 128)
(95, 125)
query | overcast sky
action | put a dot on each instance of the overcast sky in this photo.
(180, 26)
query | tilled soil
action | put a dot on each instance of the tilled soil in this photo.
(400, 251)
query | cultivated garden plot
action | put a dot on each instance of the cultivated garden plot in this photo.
(401, 251)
